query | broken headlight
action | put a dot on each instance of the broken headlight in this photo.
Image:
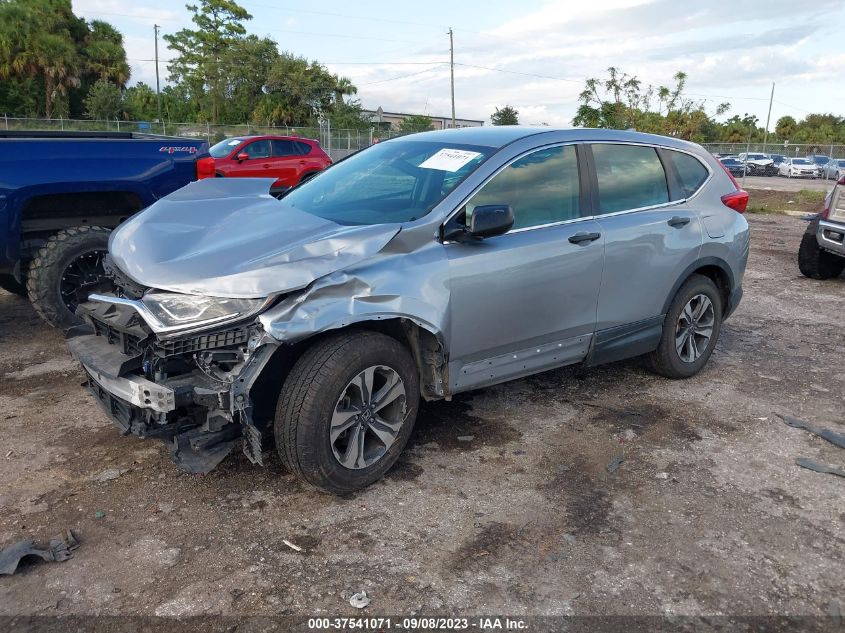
(175, 311)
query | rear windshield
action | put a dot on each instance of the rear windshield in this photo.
(395, 181)
(225, 147)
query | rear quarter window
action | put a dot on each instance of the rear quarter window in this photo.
(691, 173)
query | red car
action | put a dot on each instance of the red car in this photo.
(289, 159)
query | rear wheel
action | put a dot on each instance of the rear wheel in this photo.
(815, 263)
(347, 410)
(65, 270)
(690, 329)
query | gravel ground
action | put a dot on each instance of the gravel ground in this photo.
(777, 183)
(708, 513)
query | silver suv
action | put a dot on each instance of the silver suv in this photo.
(822, 251)
(421, 267)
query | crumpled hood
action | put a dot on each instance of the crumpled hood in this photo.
(227, 237)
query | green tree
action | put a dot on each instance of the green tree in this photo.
(785, 127)
(416, 123)
(343, 87)
(508, 115)
(248, 63)
(620, 101)
(304, 90)
(200, 61)
(104, 101)
(139, 103)
(104, 54)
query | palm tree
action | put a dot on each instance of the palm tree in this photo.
(105, 55)
(343, 86)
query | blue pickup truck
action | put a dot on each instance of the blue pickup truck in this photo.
(61, 193)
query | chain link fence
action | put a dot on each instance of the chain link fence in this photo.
(338, 143)
(807, 149)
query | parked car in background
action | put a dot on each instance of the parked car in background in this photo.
(834, 168)
(289, 159)
(822, 251)
(61, 194)
(757, 164)
(777, 159)
(735, 166)
(819, 160)
(797, 168)
(423, 266)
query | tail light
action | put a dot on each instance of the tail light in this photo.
(824, 214)
(205, 168)
(737, 200)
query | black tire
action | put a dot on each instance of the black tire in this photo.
(10, 284)
(815, 263)
(666, 360)
(309, 396)
(48, 267)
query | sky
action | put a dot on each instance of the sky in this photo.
(535, 56)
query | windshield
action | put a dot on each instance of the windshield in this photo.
(396, 181)
(801, 161)
(757, 156)
(225, 147)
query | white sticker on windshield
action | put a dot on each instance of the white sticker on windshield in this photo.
(236, 141)
(449, 159)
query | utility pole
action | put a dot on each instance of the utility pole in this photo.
(768, 117)
(156, 27)
(452, 66)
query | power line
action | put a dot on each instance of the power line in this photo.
(381, 81)
(515, 72)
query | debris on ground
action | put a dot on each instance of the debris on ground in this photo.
(662, 475)
(59, 549)
(359, 600)
(110, 474)
(614, 464)
(466, 438)
(99, 514)
(837, 439)
(295, 548)
(809, 464)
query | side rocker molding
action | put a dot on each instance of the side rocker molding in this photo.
(625, 341)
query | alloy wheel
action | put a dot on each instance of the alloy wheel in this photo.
(82, 276)
(368, 417)
(694, 328)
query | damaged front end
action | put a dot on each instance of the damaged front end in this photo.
(190, 388)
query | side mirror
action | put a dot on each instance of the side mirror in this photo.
(490, 220)
(242, 157)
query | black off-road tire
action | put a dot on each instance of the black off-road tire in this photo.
(49, 264)
(10, 284)
(308, 398)
(665, 360)
(815, 263)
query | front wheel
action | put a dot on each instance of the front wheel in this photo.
(690, 329)
(347, 410)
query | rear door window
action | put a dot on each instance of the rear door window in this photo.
(691, 173)
(629, 177)
(285, 148)
(302, 148)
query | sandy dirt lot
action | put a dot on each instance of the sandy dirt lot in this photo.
(708, 513)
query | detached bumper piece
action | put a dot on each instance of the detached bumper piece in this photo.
(155, 388)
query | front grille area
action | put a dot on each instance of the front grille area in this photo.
(202, 342)
(130, 343)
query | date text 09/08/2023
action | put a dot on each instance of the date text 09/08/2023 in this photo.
(424, 623)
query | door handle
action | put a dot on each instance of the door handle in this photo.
(584, 238)
(266, 165)
(677, 222)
